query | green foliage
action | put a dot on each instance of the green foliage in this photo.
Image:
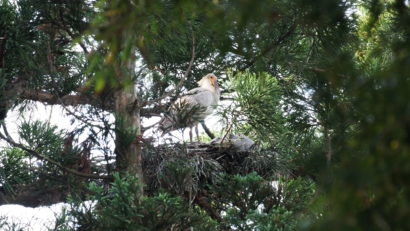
(11, 226)
(283, 124)
(257, 104)
(14, 169)
(29, 178)
(365, 189)
(47, 140)
(180, 175)
(246, 202)
(322, 85)
(38, 50)
(118, 208)
(63, 221)
(40, 134)
(252, 202)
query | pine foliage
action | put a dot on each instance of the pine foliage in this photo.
(321, 87)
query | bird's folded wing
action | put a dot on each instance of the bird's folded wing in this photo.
(200, 96)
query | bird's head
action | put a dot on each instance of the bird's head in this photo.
(209, 79)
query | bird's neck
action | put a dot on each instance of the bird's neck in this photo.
(208, 86)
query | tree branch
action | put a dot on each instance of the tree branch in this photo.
(273, 45)
(6, 132)
(75, 100)
(81, 119)
(3, 41)
(71, 34)
(181, 82)
(51, 99)
(203, 202)
(40, 156)
(324, 71)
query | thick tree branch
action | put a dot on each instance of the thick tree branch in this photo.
(75, 100)
(68, 100)
(204, 203)
(45, 97)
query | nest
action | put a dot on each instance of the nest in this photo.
(182, 168)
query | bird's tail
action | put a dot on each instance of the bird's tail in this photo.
(181, 115)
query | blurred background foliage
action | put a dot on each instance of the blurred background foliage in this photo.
(321, 86)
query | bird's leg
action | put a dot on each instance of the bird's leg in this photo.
(190, 135)
(197, 133)
(207, 131)
(183, 134)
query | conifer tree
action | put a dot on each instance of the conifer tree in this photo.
(320, 86)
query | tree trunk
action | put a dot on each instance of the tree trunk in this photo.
(128, 124)
(128, 133)
(328, 145)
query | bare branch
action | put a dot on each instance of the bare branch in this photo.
(82, 45)
(226, 98)
(79, 118)
(324, 71)
(227, 132)
(6, 132)
(52, 99)
(84, 121)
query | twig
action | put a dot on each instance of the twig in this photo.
(72, 35)
(6, 131)
(273, 45)
(61, 103)
(226, 98)
(324, 71)
(227, 132)
(148, 127)
(179, 85)
(78, 117)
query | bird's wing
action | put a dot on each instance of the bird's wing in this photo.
(195, 106)
(199, 96)
(189, 109)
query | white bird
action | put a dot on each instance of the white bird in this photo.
(194, 107)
